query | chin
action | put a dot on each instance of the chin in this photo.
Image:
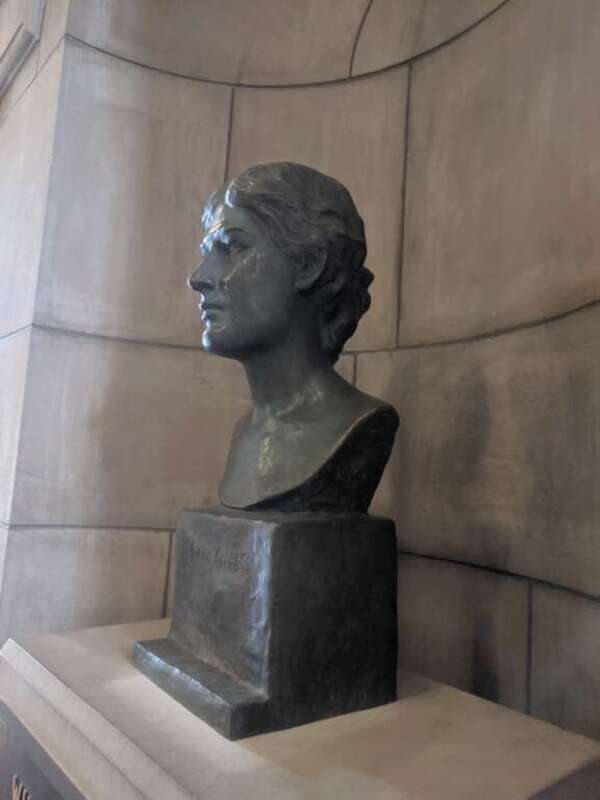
(217, 344)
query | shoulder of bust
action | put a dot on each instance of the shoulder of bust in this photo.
(345, 475)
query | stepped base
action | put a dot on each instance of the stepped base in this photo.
(279, 619)
(231, 707)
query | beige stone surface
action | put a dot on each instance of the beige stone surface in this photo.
(565, 680)
(20, 23)
(120, 433)
(62, 578)
(26, 141)
(345, 367)
(435, 743)
(14, 353)
(54, 26)
(354, 132)
(171, 576)
(15, 14)
(3, 547)
(11, 96)
(140, 152)
(503, 179)
(464, 626)
(395, 31)
(495, 460)
(12, 13)
(91, 772)
(262, 42)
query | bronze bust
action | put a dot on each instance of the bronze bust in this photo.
(281, 618)
(282, 286)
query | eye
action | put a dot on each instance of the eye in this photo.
(236, 246)
(231, 245)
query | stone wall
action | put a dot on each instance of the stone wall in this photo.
(467, 132)
(494, 479)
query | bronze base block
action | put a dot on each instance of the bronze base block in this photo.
(279, 619)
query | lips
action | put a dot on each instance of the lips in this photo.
(211, 314)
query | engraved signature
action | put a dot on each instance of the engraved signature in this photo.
(221, 557)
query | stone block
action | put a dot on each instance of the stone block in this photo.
(26, 139)
(17, 87)
(122, 433)
(54, 26)
(502, 180)
(353, 131)
(565, 680)
(393, 31)
(20, 24)
(18, 17)
(60, 578)
(262, 42)
(464, 626)
(279, 619)
(106, 724)
(11, 16)
(14, 353)
(140, 151)
(495, 459)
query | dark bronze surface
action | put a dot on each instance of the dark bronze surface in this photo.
(282, 286)
(282, 614)
(279, 619)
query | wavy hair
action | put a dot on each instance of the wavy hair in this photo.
(303, 210)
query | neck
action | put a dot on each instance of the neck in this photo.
(286, 375)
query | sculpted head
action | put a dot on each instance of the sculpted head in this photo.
(282, 255)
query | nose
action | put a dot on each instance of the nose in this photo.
(208, 275)
(200, 282)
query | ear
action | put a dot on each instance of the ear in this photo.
(311, 269)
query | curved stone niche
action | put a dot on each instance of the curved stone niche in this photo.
(271, 42)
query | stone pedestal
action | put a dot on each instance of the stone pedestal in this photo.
(96, 728)
(279, 619)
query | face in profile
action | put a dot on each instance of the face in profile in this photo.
(282, 265)
(245, 284)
